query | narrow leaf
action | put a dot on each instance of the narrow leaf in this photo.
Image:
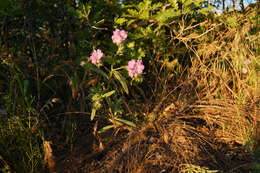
(125, 122)
(106, 128)
(122, 80)
(108, 94)
(93, 113)
(174, 4)
(120, 21)
(98, 71)
(25, 86)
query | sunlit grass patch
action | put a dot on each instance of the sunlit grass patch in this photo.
(21, 149)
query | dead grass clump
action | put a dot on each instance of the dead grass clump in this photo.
(211, 136)
(233, 123)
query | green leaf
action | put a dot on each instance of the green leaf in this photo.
(142, 6)
(141, 53)
(120, 21)
(108, 93)
(122, 80)
(96, 97)
(157, 5)
(144, 15)
(25, 86)
(174, 4)
(125, 122)
(98, 71)
(132, 12)
(187, 2)
(130, 22)
(106, 128)
(205, 10)
(93, 113)
(164, 15)
(131, 44)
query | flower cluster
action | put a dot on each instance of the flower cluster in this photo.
(96, 56)
(246, 63)
(119, 36)
(135, 68)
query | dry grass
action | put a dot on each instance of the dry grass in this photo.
(206, 137)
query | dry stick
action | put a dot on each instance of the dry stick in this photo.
(185, 38)
(6, 166)
(87, 14)
(142, 93)
(127, 106)
(69, 113)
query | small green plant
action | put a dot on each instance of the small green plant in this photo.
(21, 148)
(20, 138)
(190, 168)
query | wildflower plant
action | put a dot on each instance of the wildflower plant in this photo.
(113, 71)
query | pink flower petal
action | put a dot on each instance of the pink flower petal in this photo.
(119, 36)
(247, 62)
(96, 56)
(135, 68)
(244, 70)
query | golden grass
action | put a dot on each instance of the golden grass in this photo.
(211, 135)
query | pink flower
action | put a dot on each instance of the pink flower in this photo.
(119, 36)
(244, 70)
(96, 56)
(135, 68)
(247, 62)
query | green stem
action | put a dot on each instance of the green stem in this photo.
(119, 68)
